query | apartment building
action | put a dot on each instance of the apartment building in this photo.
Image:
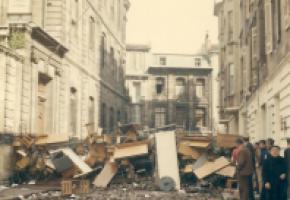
(264, 68)
(228, 13)
(61, 60)
(171, 88)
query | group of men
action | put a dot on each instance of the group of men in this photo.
(261, 169)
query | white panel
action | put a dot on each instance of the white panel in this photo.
(19, 6)
(167, 163)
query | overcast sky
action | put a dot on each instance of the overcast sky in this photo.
(177, 26)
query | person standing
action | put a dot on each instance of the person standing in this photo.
(251, 149)
(245, 169)
(274, 176)
(263, 152)
(287, 161)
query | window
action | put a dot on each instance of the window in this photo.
(162, 61)
(74, 17)
(180, 87)
(103, 50)
(254, 42)
(200, 86)
(230, 26)
(112, 60)
(197, 62)
(160, 115)
(159, 85)
(286, 20)
(92, 33)
(104, 116)
(112, 119)
(119, 116)
(73, 111)
(231, 79)
(91, 115)
(137, 92)
(119, 14)
(112, 9)
(200, 118)
(269, 26)
(44, 105)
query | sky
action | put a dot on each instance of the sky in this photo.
(171, 26)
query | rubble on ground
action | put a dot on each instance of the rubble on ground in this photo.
(131, 162)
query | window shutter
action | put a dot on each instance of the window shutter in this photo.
(254, 42)
(269, 27)
(286, 7)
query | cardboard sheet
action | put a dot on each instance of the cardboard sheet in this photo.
(106, 175)
(226, 140)
(211, 167)
(166, 155)
(228, 171)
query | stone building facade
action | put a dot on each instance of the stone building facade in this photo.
(264, 68)
(170, 89)
(56, 66)
(228, 13)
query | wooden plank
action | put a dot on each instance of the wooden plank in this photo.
(187, 169)
(226, 140)
(166, 155)
(130, 151)
(228, 171)
(79, 163)
(185, 150)
(106, 175)
(211, 167)
(197, 144)
(200, 162)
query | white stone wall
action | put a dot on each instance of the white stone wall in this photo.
(274, 95)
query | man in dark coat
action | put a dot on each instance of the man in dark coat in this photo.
(287, 160)
(274, 176)
(245, 170)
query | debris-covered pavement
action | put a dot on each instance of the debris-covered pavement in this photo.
(131, 164)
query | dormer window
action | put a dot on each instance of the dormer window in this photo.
(162, 61)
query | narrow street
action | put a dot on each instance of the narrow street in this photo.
(145, 99)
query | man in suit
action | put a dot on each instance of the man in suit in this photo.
(245, 170)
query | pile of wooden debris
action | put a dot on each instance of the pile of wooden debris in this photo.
(167, 156)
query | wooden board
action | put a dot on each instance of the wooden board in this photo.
(226, 140)
(130, 151)
(78, 162)
(211, 167)
(200, 162)
(188, 151)
(166, 157)
(228, 171)
(106, 175)
(187, 169)
(197, 144)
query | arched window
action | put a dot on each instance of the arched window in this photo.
(180, 87)
(160, 85)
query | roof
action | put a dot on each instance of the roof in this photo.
(138, 47)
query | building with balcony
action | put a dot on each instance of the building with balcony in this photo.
(171, 88)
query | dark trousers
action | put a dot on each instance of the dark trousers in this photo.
(246, 187)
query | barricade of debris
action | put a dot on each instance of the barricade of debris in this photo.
(167, 158)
